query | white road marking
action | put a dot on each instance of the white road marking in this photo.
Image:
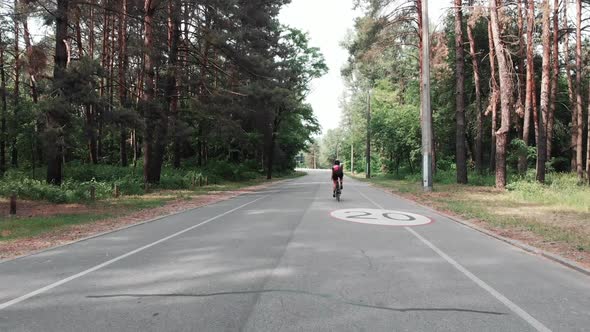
(511, 305)
(116, 259)
(381, 217)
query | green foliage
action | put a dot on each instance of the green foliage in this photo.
(219, 170)
(81, 177)
(561, 188)
(69, 192)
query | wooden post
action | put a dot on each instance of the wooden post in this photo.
(117, 192)
(92, 193)
(206, 180)
(13, 204)
(200, 181)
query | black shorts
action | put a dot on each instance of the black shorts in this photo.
(337, 176)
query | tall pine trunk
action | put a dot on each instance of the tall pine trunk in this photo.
(154, 121)
(521, 60)
(173, 42)
(17, 62)
(36, 145)
(99, 113)
(530, 95)
(478, 104)
(554, 80)
(570, 88)
(29, 49)
(588, 143)
(4, 101)
(148, 93)
(461, 151)
(579, 110)
(506, 89)
(123, 66)
(54, 141)
(545, 92)
(494, 96)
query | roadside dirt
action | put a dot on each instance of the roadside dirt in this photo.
(64, 235)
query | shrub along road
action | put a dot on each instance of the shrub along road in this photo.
(291, 258)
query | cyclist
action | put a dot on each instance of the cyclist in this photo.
(337, 174)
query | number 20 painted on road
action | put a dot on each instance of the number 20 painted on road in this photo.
(381, 217)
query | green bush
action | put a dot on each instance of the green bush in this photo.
(100, 173)
(80, 177)
(69, 192)
(560, 189)
(130, 185)
(223, 170)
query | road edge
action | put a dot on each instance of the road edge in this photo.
(519, 244)
(2, 261)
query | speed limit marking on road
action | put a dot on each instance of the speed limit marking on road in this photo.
(381, 217)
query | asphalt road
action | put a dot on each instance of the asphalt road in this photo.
(278, 260)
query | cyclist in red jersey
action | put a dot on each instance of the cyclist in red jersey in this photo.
(337, 174)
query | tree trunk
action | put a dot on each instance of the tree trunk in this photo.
(91, 31)
(506, 88)
(461, 153)
(16, 122)
(270, 156)
(4, 108)
(494, 96)
(54, 141)
(588, 144)
(545, 91)
(91, 135)
(173, 41)
(123, 66)
(554, 81)
(104, 82)
(570, 88)
(478, 105)
(579, 110)
(154, 121)
(521, 59)
(530, 95)
(29, 48)
(36, 145)
(79, 33)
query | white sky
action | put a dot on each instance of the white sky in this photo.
(327, 22)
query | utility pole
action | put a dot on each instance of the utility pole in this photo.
(426, 110)
(368, 171)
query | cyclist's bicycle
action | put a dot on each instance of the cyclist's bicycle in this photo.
(338, 191)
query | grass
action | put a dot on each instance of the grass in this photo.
(12, 228)
(29, 227)
(558, 212)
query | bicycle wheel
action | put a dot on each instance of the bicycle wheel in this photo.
(338, 194)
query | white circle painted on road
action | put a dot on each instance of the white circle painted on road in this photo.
(381, 217)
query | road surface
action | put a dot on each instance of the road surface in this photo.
(291, 258)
